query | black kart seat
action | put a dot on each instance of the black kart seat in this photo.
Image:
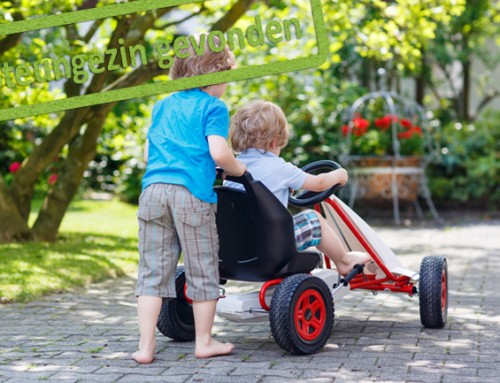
(256, 235)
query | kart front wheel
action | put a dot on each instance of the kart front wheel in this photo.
(433, 292)
(302, 313)
(176, 318)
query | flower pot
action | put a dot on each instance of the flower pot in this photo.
(375, 178)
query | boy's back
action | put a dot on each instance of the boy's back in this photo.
(273, 171)
(178, 149)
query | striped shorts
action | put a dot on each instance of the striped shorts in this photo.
(307, 229)
(172, 220)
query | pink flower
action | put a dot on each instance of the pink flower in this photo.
(14, 167)
(52, 179)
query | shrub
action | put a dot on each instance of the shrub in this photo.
(469, 168)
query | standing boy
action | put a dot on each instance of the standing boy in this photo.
(186, 140)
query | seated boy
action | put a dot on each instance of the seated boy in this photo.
(259, 130)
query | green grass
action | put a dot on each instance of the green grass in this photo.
(97, 241)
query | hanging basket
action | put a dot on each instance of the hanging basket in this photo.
(374, 175)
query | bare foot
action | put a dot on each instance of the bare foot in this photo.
(214, 348)
(352, 258)
(144, 355)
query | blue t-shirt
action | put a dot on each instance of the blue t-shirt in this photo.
(274, 172)
(178, 150)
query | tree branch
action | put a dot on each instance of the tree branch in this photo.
(492, 94)
(177, 22)
(92, 30)
(231, 17)
(72, 33)
(11, 41)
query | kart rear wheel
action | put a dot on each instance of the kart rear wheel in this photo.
(176, 318)
(302, 313)
(433, 292)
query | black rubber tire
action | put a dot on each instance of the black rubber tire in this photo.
(176, 318)
(294, 333)
(433, 292)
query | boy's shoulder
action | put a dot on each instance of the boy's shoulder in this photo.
(196, 96)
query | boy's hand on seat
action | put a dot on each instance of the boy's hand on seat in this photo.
(243, 167)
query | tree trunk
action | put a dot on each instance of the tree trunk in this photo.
(81, 151)
(23, 184)
(365, 75)
(465, 93)
(421, 80)
(12, 225)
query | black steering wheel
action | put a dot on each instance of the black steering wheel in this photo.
(309, 198)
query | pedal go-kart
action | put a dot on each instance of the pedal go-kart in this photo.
(299, 289)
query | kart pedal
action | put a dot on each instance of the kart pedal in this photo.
(357, 269)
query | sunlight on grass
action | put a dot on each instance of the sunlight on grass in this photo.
(97, 240)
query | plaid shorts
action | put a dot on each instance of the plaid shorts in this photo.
(307, 229)
(171, 219)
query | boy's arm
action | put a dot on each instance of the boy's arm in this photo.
(320, 182)
(146, 151)
(224, 157)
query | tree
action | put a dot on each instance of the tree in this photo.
(463, 41)
(71, 137)
(368, 35)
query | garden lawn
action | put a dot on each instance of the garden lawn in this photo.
(97, 240)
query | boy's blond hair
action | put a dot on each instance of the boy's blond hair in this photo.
(208, 62)
(258, 124)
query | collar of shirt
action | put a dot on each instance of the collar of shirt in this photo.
(254, 152)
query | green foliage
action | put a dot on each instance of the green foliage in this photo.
(395, 31)
(98, 240)
(468, 38)
(313, 102)
(16, 143)
(382, 33)
(469, 170)
(119, 165)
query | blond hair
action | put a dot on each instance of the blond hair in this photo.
(258, 124)
(208, 62)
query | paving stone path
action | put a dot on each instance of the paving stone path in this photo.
(88, 336)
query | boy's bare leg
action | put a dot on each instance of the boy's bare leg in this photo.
(206, 346)
(331, 246)
(148, 310)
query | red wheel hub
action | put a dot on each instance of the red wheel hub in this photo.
(444, 292)
(310, 315)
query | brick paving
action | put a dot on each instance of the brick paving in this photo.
(88, 336)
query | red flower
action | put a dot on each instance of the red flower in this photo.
(360, 126)
(406, 123)
(383, 123)
(361, 123)
(52, 179)
(14, 167)
(405, 135)
(417, 130)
